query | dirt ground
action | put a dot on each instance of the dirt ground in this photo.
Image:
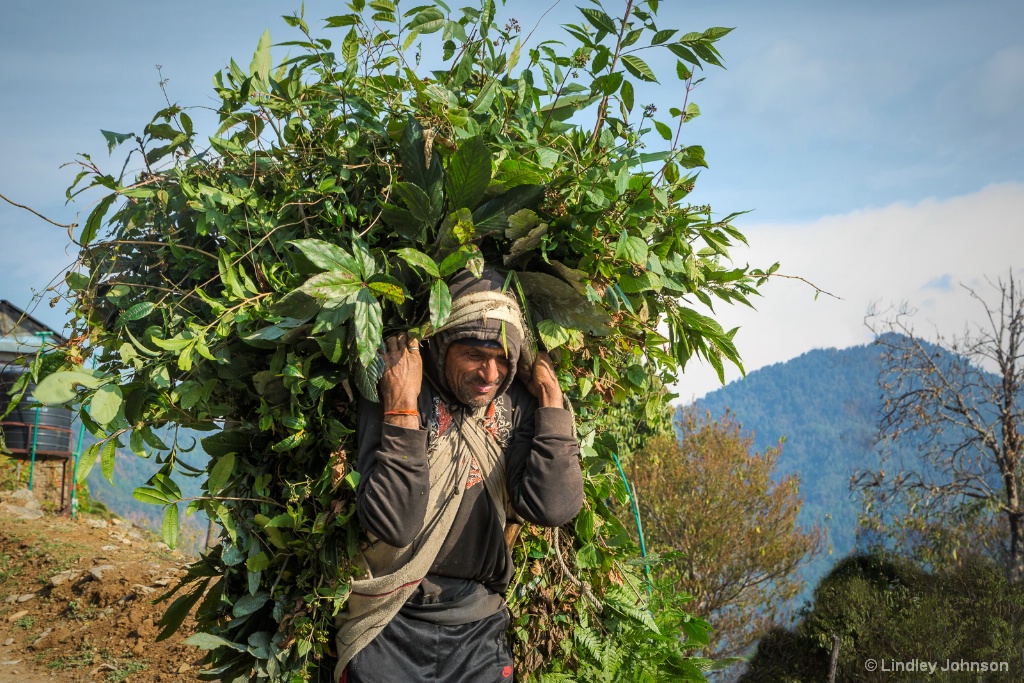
(75, 603)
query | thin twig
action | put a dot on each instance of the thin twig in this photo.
(816, 288)
(67, 226)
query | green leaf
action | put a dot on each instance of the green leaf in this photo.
(627, 95)
(174, 616)
(552, 334)
(412, 154)
(208, 641)
(599, 19)
(148, 494)
(493, 215)
(633, 249)
(327, 256)
(440, 303)
(115, 139)
(417, 202)
(86, 461)
(469, 173)
(261, 59)
(107, 459)
(369, 324)
(333, 286)
(105, 403)
(220, 473)
(95, 219)
(170, 527)
(417, 259)
(427, 21)
(368, 377)
(136, 312)
(61, 387)
(638, 68)
(663, 130)
(257, 562)
(247, 604)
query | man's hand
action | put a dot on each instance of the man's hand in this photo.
(401, 382)
(542, 382)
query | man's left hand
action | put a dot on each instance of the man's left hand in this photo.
(542, 382)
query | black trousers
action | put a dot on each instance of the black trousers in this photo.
(413, 651)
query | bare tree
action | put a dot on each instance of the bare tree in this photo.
(958, 402)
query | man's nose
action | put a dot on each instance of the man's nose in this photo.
(490, 372)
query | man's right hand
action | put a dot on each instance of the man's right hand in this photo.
(401, 382)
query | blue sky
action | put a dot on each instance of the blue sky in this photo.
(878, 144)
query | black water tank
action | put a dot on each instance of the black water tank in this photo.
(54, 440)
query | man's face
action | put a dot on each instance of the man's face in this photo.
(475, 373)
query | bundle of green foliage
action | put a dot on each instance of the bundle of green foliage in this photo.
(244, 286)
(887, 610)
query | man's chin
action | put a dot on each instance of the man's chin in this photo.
(474, 399)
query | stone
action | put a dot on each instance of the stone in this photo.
(163, 582)
(96, 523)
(26, 597)
(64, 577)
(41, 640)
(17, 615)
(98, 572)
(20, 512)
(143, 590)
(9, 642)
(183, 668)
(22, 498)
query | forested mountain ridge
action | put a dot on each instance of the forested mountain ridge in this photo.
(825, 404)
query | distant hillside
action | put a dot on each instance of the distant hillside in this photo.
(131, 471)
(825, 404)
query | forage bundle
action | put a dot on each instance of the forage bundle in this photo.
(243, 286)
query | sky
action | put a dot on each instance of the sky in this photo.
(878, 146)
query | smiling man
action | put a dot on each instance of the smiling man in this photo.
(456, 453)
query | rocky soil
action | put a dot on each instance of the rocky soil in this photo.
(76, 601)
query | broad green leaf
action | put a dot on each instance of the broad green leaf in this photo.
(440, 303)
(333, 286)
(638, 68)
(261, 58)
(105, 403)
(663, 130)
(416, 200)
(136, 312)
(61, 387)
(469, 173)
(257, 562)
(599, 19)
(208, 641)
(427, 21)
(247, 604)
(170, 526)
(466, 256)
(221, 472)
(86, 461)
(632, 248)
(627, 95)
(418, 259)
(368, 377)
(95, 219)
(552, 334)
(148, 494)
(174, 616)
(327, 256)
(493, 215)
(369, 324)
(107, 460)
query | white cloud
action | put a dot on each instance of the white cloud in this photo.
(918, 254)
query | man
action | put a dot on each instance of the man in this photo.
(455, 451)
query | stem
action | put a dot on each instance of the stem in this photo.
(68, 226)
(602, 110)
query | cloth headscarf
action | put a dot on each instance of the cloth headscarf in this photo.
(481, 312)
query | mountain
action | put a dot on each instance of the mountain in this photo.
(132, 471)
(825, 404)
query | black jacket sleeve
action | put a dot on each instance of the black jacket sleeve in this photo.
(391, 500)
(545, 483)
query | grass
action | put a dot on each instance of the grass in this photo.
(26, 622)
(80, 659)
